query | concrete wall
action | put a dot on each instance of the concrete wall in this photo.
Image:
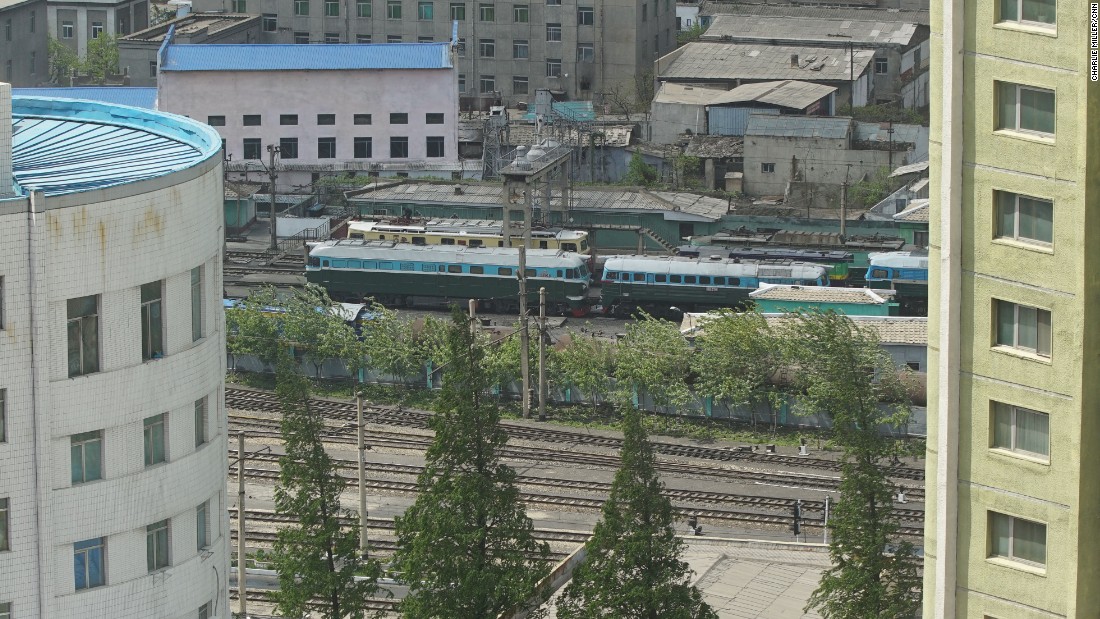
(140, 57)
(818, 161)
(200, 94)
(117, 18)
(669, 120)
(24, 58)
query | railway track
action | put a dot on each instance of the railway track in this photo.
(265, 597)
(242, 399)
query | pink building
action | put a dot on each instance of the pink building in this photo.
(388, 109)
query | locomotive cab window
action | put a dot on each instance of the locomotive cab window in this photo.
(571, 273)
(880, 273)
(476, 270)
(500, 243)
(569, 246)
(419, 240)
(543, 245)
(529, 272)
(446, 241)
(475, 243)
(324, 263)
(314, 262)
(504, 271)
(454, 268)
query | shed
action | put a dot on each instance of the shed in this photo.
(680, 108)
(775, 298)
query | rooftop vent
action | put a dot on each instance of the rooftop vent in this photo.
(794, 61)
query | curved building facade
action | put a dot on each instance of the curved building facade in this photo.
(112, 426)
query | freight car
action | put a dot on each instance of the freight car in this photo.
(406, 275)
(656, 284)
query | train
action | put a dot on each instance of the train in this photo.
(837, 261)
(405, 275)
(660, 284)
(469, 233)
(906, 272)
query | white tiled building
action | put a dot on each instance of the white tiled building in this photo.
(112, 425)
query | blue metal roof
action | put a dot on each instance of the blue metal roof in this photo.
(118, 95)
(793, 126)
(315, 57)
(572, 110)
(65, 146)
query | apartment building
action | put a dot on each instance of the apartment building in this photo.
(76, 22)
(1013, 496)
(112, 363)
(24, 53)
(579, 48)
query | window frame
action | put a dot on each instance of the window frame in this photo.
(393, 9)
(767, 167)
(491, 80)
(255, 144)
(202, 526)
(1013, 444)
(153, 334)
(486, 12)
(81, 442)
(367, 144)
(521, 44)
(521, 79)
(586, 52)
(435, 118)
(326, 147)
(457, 11)
(486, 48)
(301, 8)
(435, 146)
(5, 524)
(521, 13)
(1001, 205)
(197, 297)
(202, 421)
(67, 29)
(155, 428)
(1018, 107)
(326, 120)
(421, 14)
(1016, 345)
(586, 16)
(3, 415)
(288, 148)
(331, 8)
(553, 67)
(158, 545)
(553, 32)
(363, 8)
(365, 118)
(1011, 555)
(1019, 20)
(269, 19)
(251, 120)
(85, 324)
(399, 118)
(397, 140)
(87, 548)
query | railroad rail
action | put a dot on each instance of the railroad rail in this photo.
(265, 597)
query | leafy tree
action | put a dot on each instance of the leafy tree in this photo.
(842, 371)
(64, 62)
(638, 172)
(466, 547)
(102, 57)
(736, 359)
(389, 343)
(869, 191)
(587, 363)
(690, 35)
(634, 567)
(654, 358)
(317, 557)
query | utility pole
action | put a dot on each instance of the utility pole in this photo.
(524, 335)
(542, 354)
(272, 150)
(890, 132)
(242, 576)
(361, 444)
(825, 538)
(844, 204)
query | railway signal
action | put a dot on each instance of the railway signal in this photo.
(796, 525)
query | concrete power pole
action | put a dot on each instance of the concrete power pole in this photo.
(273, 150)
(242, 577)
(524, 335)
(361, 444)
(542, 354)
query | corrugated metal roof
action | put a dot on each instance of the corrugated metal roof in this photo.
(785, 93)
(912, 168)
(757, 61)
(821, 294)
(670, 92)
(811, 30)
(798, 126)
(891, 330)
(572, 110)
(118, 95)
(918, 211)
(715, 146)
(314, 57)
(880, 132)
(66, 146)
(190, 24)
(787, 10)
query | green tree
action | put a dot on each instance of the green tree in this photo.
(587, 363)
(102, 57)
(64, 62)
(638, 172)
(633, 567)
(389, 343)
(316, 557)
(690, 35)
(869, 191)
(843, 372)
(466, 546)
(736, 359)
(654, 358)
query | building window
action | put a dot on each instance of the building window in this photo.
(288, 148)
(458, 11)
(461, 47)
(553, 2)
(1021, 430)
(326, 119)
(553, 32)
(882, 66)
(196, 304)
(424, 39)
(3, 415)
(204, 611)
(363, 8)
(553, 67)
(5, 610)
(1029, 11)
(361, 119)
(645, 11)
(521, 14)
(1017, 539)
(586, 16)
(399, 118)
(393, 38)
(332, 37)
(86, 451)
(156, 545)
(521, 48)
(1025, 219)
(154, 439)
(332, 8)
(252, 148)
(326, 148)
(202, 522)
(270, 22)
(251, 120)
(301, 38)
(288, 119)
(486, 12)
(1022, 108)
(362, 38)
(461, 82)
(200, 420)
(487, 83)
(66, 30)
(32, 21)
(425, 10)
(399, 147)
(433, 118)
(364, 148)
(5, 538)
(88, 566)
(435, 146)
(586, 52)
(1023, 327)
(240, 6)
(393, 9)
(519, 85)
(83, 335)
(97, 29)
(152, 68)
(767, 168)
(486, 48)
(301, 7)
(152, 325)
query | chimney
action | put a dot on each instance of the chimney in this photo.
(6, 178)
(794, 61)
